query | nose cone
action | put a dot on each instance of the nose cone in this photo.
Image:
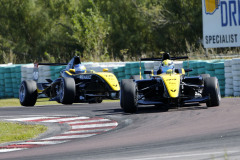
(172, 83)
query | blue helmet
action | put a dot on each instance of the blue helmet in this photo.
(79, 68)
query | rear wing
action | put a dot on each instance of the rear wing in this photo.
(35, 69)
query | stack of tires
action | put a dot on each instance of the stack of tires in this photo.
(201, 67)
(228, 78)
(178, 64)
(209, 69)
(156, 65)
(128, 70)
(27, 72)
(55, 71)
(44, 72)
(236, 76)
(94, 66)
(191, 65)
(8, 85)
(121, 73)
(148, 66)
(2, 90)
(16, 79)
(219, 73)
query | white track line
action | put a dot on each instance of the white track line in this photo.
(86, 131)
(29, 119)
(65, 119)
(90, 121)
(43, 142)
(10, 150)
(95, 125)
(68, 137)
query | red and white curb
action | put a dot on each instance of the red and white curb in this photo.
(81, 127)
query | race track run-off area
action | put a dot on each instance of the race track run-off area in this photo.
(80, 127)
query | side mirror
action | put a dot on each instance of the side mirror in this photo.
(72, 70)
(188, 70)
(105, 69)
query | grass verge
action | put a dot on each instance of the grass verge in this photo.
(10, 132)
(11, 102)
(15, 102)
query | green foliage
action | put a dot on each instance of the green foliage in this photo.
(97, 30)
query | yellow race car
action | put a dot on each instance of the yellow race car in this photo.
(75, 85)
(168, 87)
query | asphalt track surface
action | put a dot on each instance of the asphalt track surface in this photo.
(192, 132)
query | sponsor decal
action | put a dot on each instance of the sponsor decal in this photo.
(221, 23)
(87, 76)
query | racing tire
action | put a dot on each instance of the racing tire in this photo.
(128, 99)
(28, 93)
(67, 90)
(211, 89)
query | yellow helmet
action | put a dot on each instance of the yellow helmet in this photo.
(167, 62)
(166, 65)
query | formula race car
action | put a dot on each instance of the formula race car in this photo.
(74, 85)
(169, 88)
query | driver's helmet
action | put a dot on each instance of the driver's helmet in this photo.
(166, 65)
(79, 68)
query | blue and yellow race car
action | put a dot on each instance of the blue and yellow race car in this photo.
(74, 85)
(168, 87)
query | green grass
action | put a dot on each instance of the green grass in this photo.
(40, 102)
(10, 132)
(15, 102)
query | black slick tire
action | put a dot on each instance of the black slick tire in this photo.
(128, 99)
(67, 90)
(28, 93)
(211, 89)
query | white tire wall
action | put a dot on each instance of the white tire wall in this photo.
(228, 78)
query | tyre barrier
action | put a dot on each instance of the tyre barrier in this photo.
(213, 67)
(227, 72)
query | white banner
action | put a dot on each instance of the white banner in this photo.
(221, 23)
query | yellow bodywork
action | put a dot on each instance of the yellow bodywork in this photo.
(172, 83)
(110, 79)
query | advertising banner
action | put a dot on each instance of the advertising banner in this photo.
(221, 23)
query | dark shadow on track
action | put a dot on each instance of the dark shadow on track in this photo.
(151, 109)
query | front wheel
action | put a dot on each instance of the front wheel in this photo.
(28, 93)
(128, 99)
(67, 90)
(211, 89)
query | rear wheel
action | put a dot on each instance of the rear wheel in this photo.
(211, 89)
(128, 99)
(28, 93)
(67, 90)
